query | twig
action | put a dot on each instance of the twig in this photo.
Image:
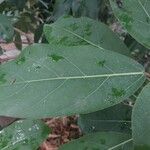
(134, 96)
(127, 104)
(4, 42)
(147, 75)
(7, 58)
(25, 34)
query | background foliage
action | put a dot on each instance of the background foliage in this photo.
(81, 67)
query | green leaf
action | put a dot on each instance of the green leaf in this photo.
(141, 119)
(83, 31)
(62, 80)
(18, 3)
(101, 141)
(133, 45)
(1, 1)
(62, 7)
(116, 118)
(135, 17)
(93, 9)
(6, 28)
(23, 135)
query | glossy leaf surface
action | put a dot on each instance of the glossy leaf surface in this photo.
(23, 135)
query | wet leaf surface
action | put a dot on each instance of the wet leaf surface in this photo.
(23, 135)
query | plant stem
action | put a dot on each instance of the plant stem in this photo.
(25, 34)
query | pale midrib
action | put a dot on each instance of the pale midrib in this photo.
(121, 144)
(144, 9)
(81, 77)
(80, 37)
(110, 121)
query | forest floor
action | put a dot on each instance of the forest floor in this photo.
(63, 130)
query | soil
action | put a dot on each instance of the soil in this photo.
(63, 130)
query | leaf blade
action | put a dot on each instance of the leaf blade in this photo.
(6, 28)
(141, 121)
(83, 31)
(100, 140)
(72, 95)
(116, 118)
(23, 134)
(135, 17)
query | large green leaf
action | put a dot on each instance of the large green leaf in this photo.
(66, 80)
(135, 17)
(23, 135)
(116, 118)
(6, 28)
(83, 31)
(101, 141)
(141, 120)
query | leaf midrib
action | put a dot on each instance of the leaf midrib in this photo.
(109, 121)
(79, 77)
(120, 144)
(144, 9)
(80, 37)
